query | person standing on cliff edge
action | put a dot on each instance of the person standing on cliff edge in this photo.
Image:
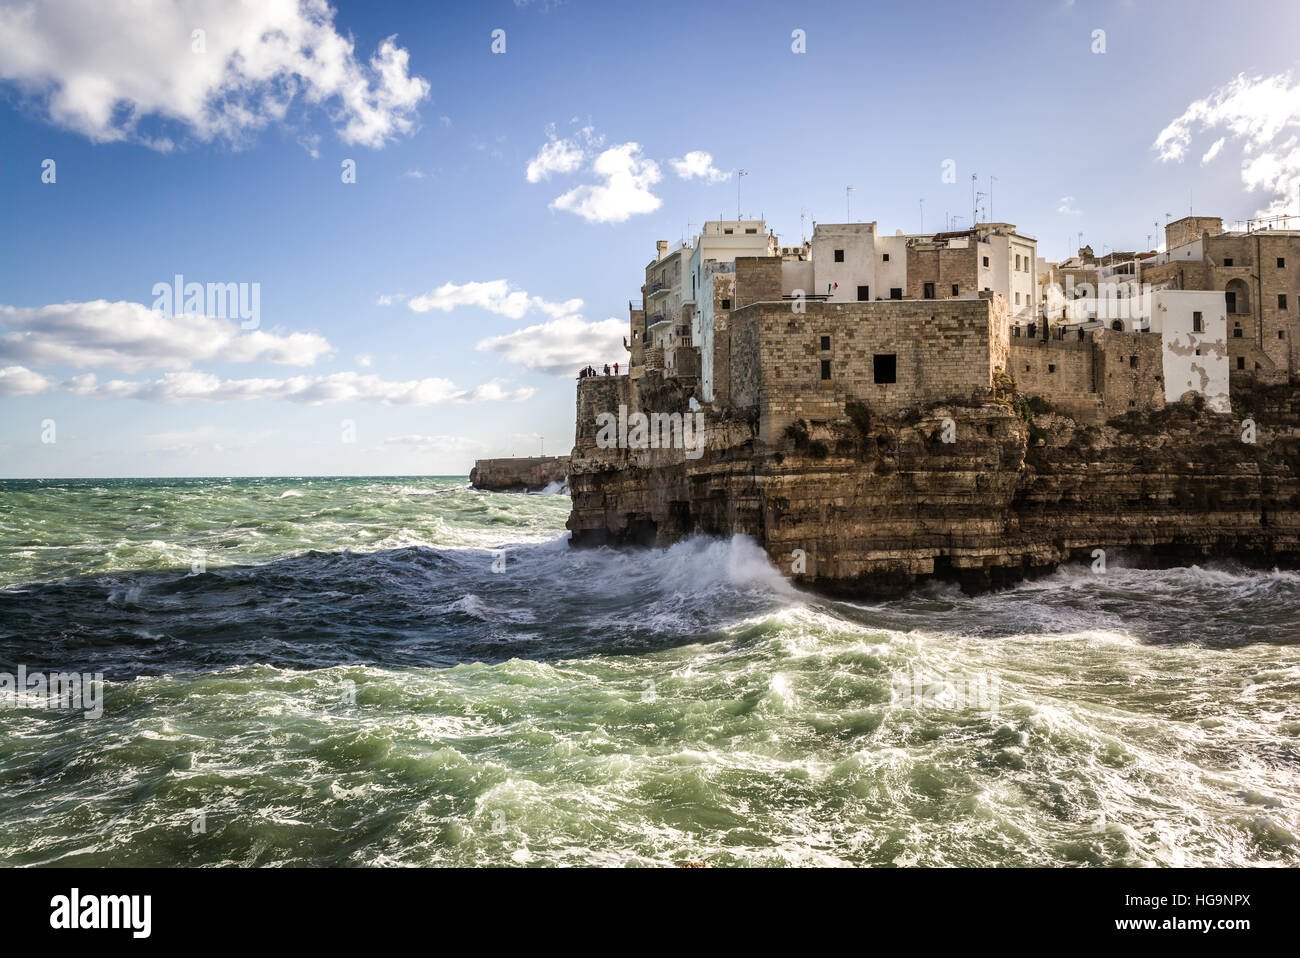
(607, 369)
(616, 369)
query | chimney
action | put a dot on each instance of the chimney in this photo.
(662, 247)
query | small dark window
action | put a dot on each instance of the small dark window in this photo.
(728, 232)
(839, 256)
(1281, 262)
(1236, 331)
(885, 258)
(1227, 261)
(1198, 323)
(826, 369)
(928, 291)
(885, 368)
(726, 304)
(896, 293)
(1198, 352)
(864, 294)
(1281, 334)
(986, 261)
(1281, 300)
(1230, 300)
(751, 231)
(1241, 362)
(1132, 362)
(826, 342)
(1051, 367)
(954, 289)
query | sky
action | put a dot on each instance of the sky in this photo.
(436, 213)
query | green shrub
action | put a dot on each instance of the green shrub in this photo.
(860, 413)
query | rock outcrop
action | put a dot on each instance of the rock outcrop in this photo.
(869, 504)
(524, 474)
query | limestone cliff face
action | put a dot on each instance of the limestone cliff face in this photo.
(871, 504)
(518, 475)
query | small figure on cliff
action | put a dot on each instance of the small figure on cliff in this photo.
(607, 369)
(616, 369)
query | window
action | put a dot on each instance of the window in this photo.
(1227, 261)
(1236, 330)
(826, 369)
(884, 258)
(1198, 352)
(1017, 262)
(1017, 299)
(986, 261)
(1198, 323)
(839, 256)
(864, 293)
(1132, 362)
(928, 291)
(954, 289)
(1230, 300)
(1281, 334)
(726, 304)
(886, 368)
(826, 342)
(754, 230)
(1281, 300)
(728, 232)
(896, 292)
(1241, 362)
(1051, 367)
(1281, 262)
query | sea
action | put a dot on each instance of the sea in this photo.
(411, 672)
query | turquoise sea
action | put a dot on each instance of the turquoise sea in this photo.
(411, 672)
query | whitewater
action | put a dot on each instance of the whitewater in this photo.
(364, 671)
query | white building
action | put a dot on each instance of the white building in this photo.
(715, 251)
(1193, 326)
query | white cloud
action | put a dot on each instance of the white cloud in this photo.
(387, 299)
(1214, 150)
(698, 163)
(364, 359)
(555, 156)
(194, 386)
(562, 346)
(495, 296)
(1067, 206)
(1263, 113)
(131, 337)
(19, 381)
(625, 191)
(106, 69)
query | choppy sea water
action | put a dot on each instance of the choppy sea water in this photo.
(411, 672)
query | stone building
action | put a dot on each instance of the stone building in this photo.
(1258, 272)
(852, 262)
(796, 332)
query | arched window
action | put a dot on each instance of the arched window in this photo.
(1237, 296)
(1118, 325)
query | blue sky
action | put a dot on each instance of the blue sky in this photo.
(170, 160)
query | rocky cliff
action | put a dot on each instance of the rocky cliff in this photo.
(869, 504)
(525, 474)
